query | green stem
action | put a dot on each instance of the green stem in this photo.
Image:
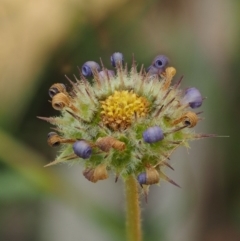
(134, 232)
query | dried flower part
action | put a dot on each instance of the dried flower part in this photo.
(96, 174)
(88, 174)
(151, 176)
(127, 121)
(189, 119)
(57, 88)
(169, 74)
(120, 109)
(54, 139)
(100, 173)
(60, 101)
(108, 142)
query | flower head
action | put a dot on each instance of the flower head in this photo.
(125, 122)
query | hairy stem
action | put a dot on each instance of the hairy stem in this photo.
(133, 217)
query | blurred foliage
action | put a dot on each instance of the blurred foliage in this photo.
(41, 41)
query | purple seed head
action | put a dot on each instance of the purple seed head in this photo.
(104, 74)
(142, 178)
(117, 59)
(89, 67)
(193, 97)
(82, 149)
(151, 70)
(153, 134)
(160, 62)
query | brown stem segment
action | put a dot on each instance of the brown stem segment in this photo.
(133, 216)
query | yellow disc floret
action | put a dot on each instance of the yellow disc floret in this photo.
(121, 108)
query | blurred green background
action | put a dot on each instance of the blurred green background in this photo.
(41, 41)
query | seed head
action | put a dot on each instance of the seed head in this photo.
(125, 122)
(82, 149)
(153, 134)
(89, 67)
(193, 97)
(117, 59)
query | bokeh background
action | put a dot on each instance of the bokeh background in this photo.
(41, 41)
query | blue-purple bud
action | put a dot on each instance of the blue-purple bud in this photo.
(151, 70)
(153, 134)
(142, 178)
(89, 67)
(82, 149)
(193, 97)
(160, 62)
(117, 59)
(104, 74)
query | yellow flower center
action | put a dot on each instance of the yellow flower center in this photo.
(121, 108)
